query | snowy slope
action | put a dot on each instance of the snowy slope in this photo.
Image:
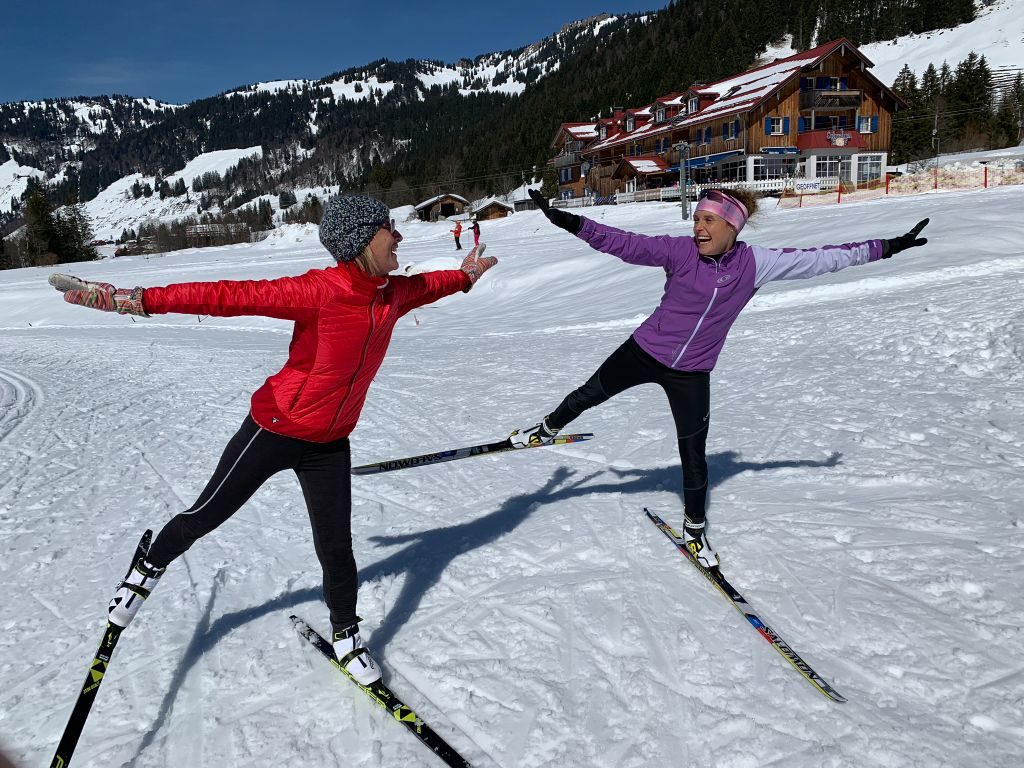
(997, 32)
(867, 464)
(14, 182)
(115, 208)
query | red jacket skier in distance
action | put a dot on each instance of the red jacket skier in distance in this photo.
(343, 322)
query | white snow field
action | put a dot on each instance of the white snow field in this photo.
(867, 468)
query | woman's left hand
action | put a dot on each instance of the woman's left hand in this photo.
(475, 264)
(909, 240)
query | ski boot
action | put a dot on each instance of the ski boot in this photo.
(132, 591)
(538, 434)
(352, 655)
(697, 542)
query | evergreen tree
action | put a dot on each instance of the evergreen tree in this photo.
(74, 231)
(41, 233)
(549, 182)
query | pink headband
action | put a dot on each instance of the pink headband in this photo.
(725, 206)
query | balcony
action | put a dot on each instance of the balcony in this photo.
(818, 99)
(566, 159)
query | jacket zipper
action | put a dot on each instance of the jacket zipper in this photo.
(699, 322)
(362, 359)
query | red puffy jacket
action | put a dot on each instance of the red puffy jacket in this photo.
(343, 322)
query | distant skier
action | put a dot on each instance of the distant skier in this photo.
(476, 232)
(300, 419)
(710, 277)
(457, 232)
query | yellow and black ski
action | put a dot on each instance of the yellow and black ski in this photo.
(98, 668)
(385, 697)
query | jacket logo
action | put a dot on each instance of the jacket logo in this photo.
(723, 279)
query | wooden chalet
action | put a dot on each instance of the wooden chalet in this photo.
(441, 207)
(492, 208)
(816, 114)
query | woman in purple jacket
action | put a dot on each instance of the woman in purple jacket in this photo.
(710, 277)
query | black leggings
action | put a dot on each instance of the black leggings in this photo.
(251, 457)
(689, 397)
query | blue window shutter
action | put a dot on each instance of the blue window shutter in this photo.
(767, 126)
(739, 128)
(874, 123)
(707, 135)
(785, 125)
(822, 83)
(799, 125)
(842, 83)
(842, 121)
(806, 84)
(725, 131)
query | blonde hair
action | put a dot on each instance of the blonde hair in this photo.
(365, 261)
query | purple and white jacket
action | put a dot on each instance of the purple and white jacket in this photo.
(703, 297)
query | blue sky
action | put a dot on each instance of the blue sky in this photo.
(185, 50)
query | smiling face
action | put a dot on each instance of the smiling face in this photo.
(714, 235)
(384, 249)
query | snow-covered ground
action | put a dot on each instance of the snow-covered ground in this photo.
(997, 33)
(867, 464)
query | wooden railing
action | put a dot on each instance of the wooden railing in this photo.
(824, 99)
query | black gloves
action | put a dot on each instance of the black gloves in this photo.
(901, 243)
(570, 222)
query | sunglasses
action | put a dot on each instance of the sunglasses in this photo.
(390, 227)
(717, 195)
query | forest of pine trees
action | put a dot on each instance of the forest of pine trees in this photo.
(952, 109)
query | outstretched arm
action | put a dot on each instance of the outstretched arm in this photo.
(662, 251)
(285, 298)
(428, 287)
(801, 263)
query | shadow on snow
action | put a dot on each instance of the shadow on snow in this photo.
(427, 554)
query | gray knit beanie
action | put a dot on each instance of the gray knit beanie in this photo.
(349, 224)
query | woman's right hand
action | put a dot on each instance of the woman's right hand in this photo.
(570, 222)
(101, 296)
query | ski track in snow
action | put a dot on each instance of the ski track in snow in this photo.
(867, 469)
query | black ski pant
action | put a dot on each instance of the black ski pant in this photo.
(689, 397)
(251, 457)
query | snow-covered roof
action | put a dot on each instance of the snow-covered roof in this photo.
(582, 130)
(735, 95)
(489, 202)
(435, 198)
(645, 164)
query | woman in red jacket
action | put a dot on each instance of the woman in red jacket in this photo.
(301, 417)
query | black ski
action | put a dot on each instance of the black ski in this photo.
(460, 453)
(98, 668)
(384, 696)
(714, 575)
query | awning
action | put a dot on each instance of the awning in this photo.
(706, 160)
(780, 151)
